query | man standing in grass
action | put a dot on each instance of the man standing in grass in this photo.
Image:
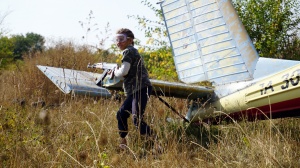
(137, 86)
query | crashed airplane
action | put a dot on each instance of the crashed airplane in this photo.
(209, 43)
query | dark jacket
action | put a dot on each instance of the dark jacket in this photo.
(137, 77)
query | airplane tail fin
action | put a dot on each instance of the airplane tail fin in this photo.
(209, 42)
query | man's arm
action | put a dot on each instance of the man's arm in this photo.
(123, 70)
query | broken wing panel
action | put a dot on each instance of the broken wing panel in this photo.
(209, 42)
(73, 81)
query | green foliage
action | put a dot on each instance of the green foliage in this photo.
(6, 51)
(17, 46)
(160, 63)
(36, 42)
(20, 46)
(29, 44)
(272, 26)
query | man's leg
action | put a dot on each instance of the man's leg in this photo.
(141, 99)
(122, 116)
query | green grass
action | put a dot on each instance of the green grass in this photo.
(82, 132)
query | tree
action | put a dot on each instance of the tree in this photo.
(160, 63)
(272, 25)
(21, 46)
(6, 51)
(29, 44)
(36, 42)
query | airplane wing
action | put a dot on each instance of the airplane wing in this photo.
(84, 83)
(71, 81)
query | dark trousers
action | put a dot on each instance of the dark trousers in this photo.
(134, 104)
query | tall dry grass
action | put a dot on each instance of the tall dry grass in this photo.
(41, 127)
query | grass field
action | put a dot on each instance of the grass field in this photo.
(42, 127)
